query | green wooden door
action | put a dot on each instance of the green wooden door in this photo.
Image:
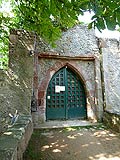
(65, 97)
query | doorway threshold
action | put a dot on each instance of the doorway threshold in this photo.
(63, 124)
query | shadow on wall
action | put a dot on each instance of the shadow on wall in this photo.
(16, 82)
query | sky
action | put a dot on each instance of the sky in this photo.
(105, 33)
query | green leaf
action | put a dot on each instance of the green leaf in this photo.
(90, 25)
(100, 24)
(118, 17)
(111, 23)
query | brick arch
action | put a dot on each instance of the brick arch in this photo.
(42, 89)
(53, 69)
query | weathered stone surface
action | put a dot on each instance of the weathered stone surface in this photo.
(86, 68)
(16, 82)
(4, 111)
(112, 120)
(111, 65)
(75, 42)
(48, 67)
(78, 40)
(14, 141)
(15, 97)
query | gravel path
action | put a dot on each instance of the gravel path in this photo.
(73, 144)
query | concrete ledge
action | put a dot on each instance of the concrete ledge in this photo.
(112, 120)
(14, 141)
(63, 124)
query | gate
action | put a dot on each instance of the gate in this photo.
(65, 98)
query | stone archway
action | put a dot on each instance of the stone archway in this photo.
(43, 85)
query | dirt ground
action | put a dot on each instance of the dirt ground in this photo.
(74, 144)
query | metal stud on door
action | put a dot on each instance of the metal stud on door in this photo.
(65, 96)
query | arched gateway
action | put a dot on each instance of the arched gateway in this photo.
(65, 98)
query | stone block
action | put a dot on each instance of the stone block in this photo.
(14, 141)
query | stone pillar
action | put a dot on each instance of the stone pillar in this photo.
(98, 89)
(21, 69)
(111, 65)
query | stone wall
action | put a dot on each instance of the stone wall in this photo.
(21, 63)
(14, 141)
(78, 49)
(112, 120)
(75, 45)
(16, 82)
(111, 65)
(111, 68)
(75, 41)
(16, 91)
(4, 98)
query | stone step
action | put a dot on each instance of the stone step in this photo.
(63, 124)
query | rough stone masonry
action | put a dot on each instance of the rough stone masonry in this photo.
(78, 49)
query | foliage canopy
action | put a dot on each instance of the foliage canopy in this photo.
(48, 18)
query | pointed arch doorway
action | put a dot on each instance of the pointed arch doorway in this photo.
(65, 98)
